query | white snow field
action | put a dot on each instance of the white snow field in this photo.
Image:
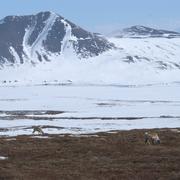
(83, 109)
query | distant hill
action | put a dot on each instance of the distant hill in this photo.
(144, 32)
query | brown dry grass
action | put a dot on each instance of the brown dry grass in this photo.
(107, 157)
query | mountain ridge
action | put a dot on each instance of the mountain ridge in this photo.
(139, 31)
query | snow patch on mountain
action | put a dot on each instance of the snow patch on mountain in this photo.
(38, 44)
(15, 55)
(34, 50)
(67, 45)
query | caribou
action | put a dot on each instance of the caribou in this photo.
(151, 138)
(38, 129)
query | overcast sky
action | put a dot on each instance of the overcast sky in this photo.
(103, 15)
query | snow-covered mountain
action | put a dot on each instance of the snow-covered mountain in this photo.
(143, 32)
(158, 53)
(56, 47)
(36, 38)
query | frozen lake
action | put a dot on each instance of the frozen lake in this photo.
(81, 109)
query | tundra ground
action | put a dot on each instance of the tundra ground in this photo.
(103, 156)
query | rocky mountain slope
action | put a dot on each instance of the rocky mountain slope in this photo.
(40, 37)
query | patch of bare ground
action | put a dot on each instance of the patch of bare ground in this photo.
(108, 156)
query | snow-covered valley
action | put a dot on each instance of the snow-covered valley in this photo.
(76, 109)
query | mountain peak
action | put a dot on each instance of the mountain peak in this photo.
(47, 13)
(140, 27)
(39, 37)
(139, 31)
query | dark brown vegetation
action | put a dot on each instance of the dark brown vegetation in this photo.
(107, 157)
